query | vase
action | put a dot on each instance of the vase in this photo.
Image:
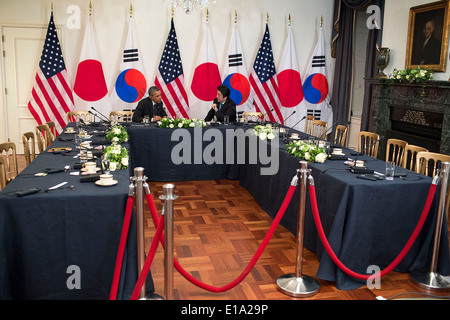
(382, 60)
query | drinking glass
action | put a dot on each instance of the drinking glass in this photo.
(390, 168)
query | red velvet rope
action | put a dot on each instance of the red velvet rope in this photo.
(252, 263)
(123, 241)
(400, 257)
(148, 262)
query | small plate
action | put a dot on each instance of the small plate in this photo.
(104, 183)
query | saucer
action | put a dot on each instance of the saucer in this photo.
(86, 170)
(107, 183)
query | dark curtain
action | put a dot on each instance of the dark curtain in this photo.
(342, 50)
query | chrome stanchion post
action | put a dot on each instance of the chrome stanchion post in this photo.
(168, 197)
(432, 280)
(298, 284)
(139, 180)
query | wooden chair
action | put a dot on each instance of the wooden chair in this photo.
(318, 129)
(29, 147)
(309, 120)
(43, 137)
(120, 116)
(368, 143)
(340, 137)
(72, 116)
(395, 151)
(252, 116)
(428, 162)
(2, 173)
(52, 127)
(9, 155)
(409, 156)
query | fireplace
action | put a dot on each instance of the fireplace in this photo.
(418, 114)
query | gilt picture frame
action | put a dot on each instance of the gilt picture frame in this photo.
(428, 33)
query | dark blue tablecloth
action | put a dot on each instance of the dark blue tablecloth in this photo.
(44, 234)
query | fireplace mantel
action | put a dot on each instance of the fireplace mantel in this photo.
(427, 112)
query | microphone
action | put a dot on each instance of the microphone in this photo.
(363, 170)
(265, 114)
(293, 112)
(104, 117)
(290, 128)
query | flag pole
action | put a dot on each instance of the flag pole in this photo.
(321, 21)
(207, 15)
(289, 20)
(131, 10)
(52, 7)
(90, 8)
(235, 16)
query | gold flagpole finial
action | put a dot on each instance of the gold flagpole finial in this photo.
(131, 10)
(90, 8)
(267, 17)
(289, 20)
(207, 15)
(235, 16)
(321, 21)
(52, 7)
(172, 12)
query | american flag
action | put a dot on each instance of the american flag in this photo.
(170, 78)
(51, 97)
(263, 79)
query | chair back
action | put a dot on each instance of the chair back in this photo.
(368, 143)
(72, 116)
(2, 173)
(52, 127)
(395, 151)
(308, 122)
(409, 156)
(120, 116)
(318, 129)
(29, 147)
(43, 137)
(252, 116)
(340, 137)
(9, 155)
(428, 162)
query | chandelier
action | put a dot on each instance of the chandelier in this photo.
(190, 5)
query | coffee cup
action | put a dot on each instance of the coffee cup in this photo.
(106, 177)
(90, 166)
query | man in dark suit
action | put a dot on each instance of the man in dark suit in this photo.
(222, 106)
(428, 51)
(151, 106)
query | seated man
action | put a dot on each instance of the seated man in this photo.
(222, 106)
(151, 106)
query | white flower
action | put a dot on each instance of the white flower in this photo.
(192, 124)
(263, 136)
(113, 166)
(116, 131)
(270, 136)
(159, 123)
(180, 125)
(293, 150)
(307, 156)
(115, 139)
(125, 162)
(321, 157)
(171, 125)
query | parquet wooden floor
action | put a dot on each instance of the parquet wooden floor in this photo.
(218, 227)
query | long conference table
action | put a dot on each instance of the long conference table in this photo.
(46, 234)
(62, 244)
(366, 222)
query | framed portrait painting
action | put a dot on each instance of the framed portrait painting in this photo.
(428, 36)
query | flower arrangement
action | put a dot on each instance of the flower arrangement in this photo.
(117, 157)
(117, 134)
(181, 123)
(264, 132)
(307, 151)
(407, 75)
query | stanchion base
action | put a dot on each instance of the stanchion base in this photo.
(298, 287)
(431, 281)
